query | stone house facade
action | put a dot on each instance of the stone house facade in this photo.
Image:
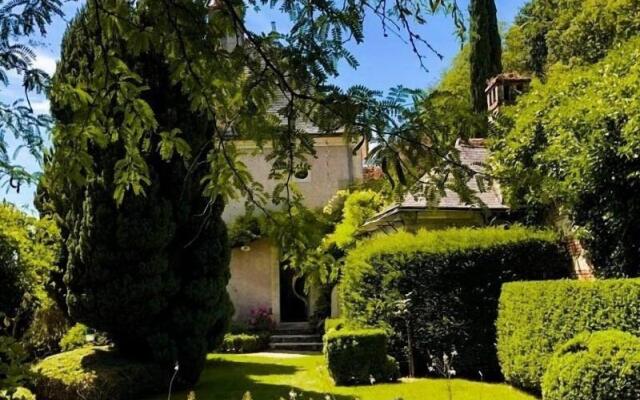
(258, 280)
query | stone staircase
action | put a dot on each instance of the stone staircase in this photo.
(295, 337)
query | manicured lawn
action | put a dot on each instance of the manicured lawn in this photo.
(228, 377)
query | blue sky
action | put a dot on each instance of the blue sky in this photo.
(385, 62)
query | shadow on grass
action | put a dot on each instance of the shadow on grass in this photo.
(230, 380)
(96, 373)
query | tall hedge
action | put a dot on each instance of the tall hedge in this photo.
(152, 271)
(446, 285)
(537, 317)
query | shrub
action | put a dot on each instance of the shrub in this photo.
(28, 249)
(96, 373)
(357, 356)
(603, 365)
(13, 371)
(334, 324)
(536, 317)
(244, 343)
(48, 326)
(261, 320)
(75, 337)
(445, 285)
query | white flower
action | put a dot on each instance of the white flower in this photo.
(454, 353)
(452, 372)
(431, 369)
(372, 380)
(481, 375)
(176, 367)
(293, 394)
(327, 397)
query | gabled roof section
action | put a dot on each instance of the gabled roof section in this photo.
(473, 154)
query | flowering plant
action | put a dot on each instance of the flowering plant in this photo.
(444, 367)
(261, 319)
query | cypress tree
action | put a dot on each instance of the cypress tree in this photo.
(486, 50)
(152, 271)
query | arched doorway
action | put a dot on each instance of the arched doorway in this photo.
(293, 302)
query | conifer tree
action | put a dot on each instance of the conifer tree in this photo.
(486, 50)
(152, 270)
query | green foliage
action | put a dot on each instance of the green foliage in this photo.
(20, 22)
(28, 250)
(573, 141)
(48, 326)
(585, 32)
(96, 373)
(151, 272)
(235, 88)
(356, 356)
(569, 31)
(245, 343)
(447, 111)
(535, 318)
(358, 207)
(485, 50)
(595, 366)
(442, 288)
(13, 371)
(75, 337)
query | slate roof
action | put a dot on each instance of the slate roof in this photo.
(473, 154)
(508, 76)
(279, 102)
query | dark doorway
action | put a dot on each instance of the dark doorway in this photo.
(292, 307)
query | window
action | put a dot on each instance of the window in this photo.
(301, 175)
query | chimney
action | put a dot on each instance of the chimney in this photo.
(504, 89)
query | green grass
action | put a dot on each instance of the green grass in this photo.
(228, 377)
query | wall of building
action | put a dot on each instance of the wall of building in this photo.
(255, 280)
(334, 168)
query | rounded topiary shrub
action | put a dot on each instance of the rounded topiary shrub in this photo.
(603, 365)
(97, 373)
(359, 356)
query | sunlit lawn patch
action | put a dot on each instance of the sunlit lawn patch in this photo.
(228, 377)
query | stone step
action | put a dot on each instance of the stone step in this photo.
(294, 328)
(276, 338)
(296, 346)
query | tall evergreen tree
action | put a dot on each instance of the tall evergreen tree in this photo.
(152, 270)
(486, 50)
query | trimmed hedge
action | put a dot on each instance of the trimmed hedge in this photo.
(244, 343)
(334, 324)
(536, 317)
(356, 356)
(595, 366)
(96, 373)
(449, 283)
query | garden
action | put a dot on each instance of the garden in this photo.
(118, 285)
